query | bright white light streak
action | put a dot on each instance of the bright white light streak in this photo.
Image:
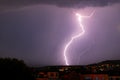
(76, 36)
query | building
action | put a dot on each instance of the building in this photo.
(114, 77)
(94, 77)
(53, 75)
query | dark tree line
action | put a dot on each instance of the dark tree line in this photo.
(14, 69)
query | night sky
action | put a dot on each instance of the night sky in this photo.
(37, 31)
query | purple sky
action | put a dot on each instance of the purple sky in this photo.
(37, 34)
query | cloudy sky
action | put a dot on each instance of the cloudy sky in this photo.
(37, 31)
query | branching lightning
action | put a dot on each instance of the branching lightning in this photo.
(76, 36)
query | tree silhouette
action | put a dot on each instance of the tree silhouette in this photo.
(14, 69)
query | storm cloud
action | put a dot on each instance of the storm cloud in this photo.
(12, 4)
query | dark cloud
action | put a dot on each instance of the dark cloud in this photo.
(7, 4)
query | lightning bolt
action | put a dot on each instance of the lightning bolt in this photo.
(76, 36)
